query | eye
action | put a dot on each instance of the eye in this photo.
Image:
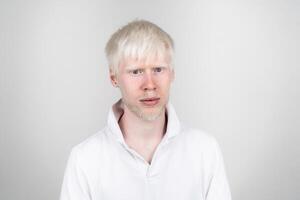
(136, 71)
(158, 69)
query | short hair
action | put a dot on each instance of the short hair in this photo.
(141, 40)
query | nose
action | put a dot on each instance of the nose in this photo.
(149, 82)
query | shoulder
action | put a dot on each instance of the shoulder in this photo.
(198, 137)
(90, 148)
(199, 143)
(84, 163)
(202, 147)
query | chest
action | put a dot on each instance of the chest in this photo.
(171, 175)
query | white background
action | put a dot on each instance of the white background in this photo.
(237, 77)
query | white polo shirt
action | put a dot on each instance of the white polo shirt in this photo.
(187, 165)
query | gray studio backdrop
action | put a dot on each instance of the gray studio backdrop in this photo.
(237, 77)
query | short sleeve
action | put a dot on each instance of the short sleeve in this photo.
(75, 186)
(218, 187)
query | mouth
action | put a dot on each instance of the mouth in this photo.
(150, 101)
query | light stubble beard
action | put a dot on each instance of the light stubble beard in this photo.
(145, 116)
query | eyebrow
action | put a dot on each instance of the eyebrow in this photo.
(129, 68)
(132, 67)
(138, 67)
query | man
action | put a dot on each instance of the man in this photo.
(144, 153)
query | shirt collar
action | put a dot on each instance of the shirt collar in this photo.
(116, 111)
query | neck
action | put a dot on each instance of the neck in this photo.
(141, 135)
(140, 130)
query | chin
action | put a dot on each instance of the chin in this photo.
(151, 115)
(146, 113)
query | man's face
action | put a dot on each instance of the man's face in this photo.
(144, 86)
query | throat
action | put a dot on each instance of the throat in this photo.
(143, 138)
(146, 151)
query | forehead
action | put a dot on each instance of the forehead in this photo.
(145, 61)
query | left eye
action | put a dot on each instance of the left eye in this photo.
(158, 69)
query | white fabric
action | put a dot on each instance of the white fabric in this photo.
(187, 165)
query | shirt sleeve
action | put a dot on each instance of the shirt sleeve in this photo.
(218, 187)
(75, 186)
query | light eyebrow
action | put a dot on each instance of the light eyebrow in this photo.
(160, 66)
(165, 66)
(130, 68)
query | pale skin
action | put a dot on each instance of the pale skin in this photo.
(145, 91)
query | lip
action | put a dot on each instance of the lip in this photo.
(150, 101)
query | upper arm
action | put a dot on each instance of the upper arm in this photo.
(218, 187)
(75, 184)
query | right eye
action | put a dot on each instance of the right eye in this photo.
(136, 71)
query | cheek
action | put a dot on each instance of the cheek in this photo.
(165, 83)
(129, 87)
(126, 79)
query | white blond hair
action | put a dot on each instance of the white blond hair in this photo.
(141, 40)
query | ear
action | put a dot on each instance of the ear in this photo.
(113, 78)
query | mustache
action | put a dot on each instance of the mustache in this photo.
(149, 96)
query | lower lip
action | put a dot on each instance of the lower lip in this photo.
(151, 102)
